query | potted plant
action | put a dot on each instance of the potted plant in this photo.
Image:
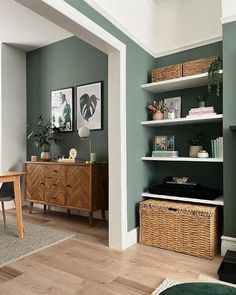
(44, 134)
(157, 109)
(201, 100)
(214, 77)
(195, 145)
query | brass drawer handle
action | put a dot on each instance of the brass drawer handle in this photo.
(68, 185)
(42, 183)
(55, 170)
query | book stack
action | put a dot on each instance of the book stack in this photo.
(201, 112)
(217, 147)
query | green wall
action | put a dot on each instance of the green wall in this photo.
(229, 79)
(201, 172)
(139, 64)
(64, 64)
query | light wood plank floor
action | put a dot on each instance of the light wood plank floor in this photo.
(85, 265)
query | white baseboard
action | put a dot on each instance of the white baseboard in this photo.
(132, 237)
(227, 243)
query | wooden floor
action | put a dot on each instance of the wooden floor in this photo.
(85, 265)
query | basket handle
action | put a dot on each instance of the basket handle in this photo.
(172, 209)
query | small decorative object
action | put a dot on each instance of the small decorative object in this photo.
(62, 109)
(195, 145)
(33, 158)
(180, 180)
(174, 107)
(203, 154)
(93, 157)
(164, 143)
(89, 106)
(201, 100)
(214, 77)
(157, 109)
(72, 153)
(44, 134)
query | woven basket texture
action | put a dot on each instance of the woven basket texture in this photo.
(182, 227)
(167, 73)
(198, 66)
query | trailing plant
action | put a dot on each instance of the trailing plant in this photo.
(197, 140)
(159, 106)
(44, 133)
(214, 77)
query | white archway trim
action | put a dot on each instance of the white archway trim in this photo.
(78, 24)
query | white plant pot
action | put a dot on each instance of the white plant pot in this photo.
(194, 150)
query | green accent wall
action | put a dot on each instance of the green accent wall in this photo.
(200, 172)
(229, 79)
(66, 63)
(139, 64)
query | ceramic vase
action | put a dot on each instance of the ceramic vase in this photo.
(201, 104)
(194, 150)
(46, 155)
(158, 116)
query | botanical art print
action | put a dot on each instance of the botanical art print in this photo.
(89, 106)
(62, 108)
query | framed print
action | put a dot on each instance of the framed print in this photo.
(160, 143)
(89, 106)
(164, 143)
(62, 108)
(174, 103)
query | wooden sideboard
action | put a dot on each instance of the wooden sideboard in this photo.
(82, 186)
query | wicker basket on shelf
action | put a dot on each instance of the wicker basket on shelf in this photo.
(182, 227)
(167, 73)
(198, 66)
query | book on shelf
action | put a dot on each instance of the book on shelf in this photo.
(217, 147)
(171, 154)
(203, 111)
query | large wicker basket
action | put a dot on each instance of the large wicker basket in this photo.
(182, 227)
(167, 73)
(198, 66)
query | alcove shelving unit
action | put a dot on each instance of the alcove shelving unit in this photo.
(173, 85)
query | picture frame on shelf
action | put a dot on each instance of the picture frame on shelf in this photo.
(164, 143)
(62, 101)
(173, 103)
(89, 105)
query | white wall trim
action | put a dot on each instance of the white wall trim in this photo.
(132, 237)
(227, 243)
(228, 19)
(123, 29)
(190, 46)
(116, 50)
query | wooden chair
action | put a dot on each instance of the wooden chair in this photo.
(7, 192)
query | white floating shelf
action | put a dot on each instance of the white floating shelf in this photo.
(218, 201)
(184, 121)
(183, 159)
(178, 83)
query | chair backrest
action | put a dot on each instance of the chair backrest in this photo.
(7, 187)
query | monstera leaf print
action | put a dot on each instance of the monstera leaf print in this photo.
(88, 106)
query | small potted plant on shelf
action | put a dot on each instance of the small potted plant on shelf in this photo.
(214, 77)
(44, 134)
(201, 100)
(157, 109)
(195, 145)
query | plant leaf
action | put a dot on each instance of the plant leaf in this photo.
(88, 106)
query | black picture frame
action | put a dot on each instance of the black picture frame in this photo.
(90, 105)
(62, 108)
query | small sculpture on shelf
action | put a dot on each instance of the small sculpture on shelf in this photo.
(157, 109)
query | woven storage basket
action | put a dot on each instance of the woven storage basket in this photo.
(182, 227)
(198, 66)
(167, 73)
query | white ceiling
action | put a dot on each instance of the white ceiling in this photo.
(25, 29)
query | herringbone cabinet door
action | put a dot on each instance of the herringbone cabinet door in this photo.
(78, 187)
(35, 182)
